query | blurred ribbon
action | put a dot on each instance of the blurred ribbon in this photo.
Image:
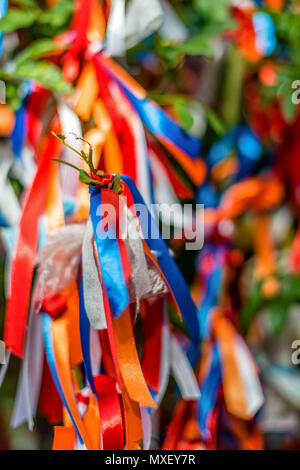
(3, 10)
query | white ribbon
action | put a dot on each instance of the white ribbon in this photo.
(95, 352)
(25, 168)
(172, 28)
(31, 374)
(140, 285)
(9, 204)
(248, 373)
(165, 359)
(70, 123)
(8, 236)
(143, 17)
(92, 289)
(115, 32)
(4, 367)
(183, 372)
(58, 261)
(147, 428)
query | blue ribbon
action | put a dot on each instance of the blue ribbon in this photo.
(85, 339)
(109, 258)
(222, 147)
(160, 124)
(249, 151)
(166, 263)
(209, 392)
(19, 131)
(3, 221)
(3, 10)
(247, 144)
(69, 206)
(210, 300)
(265, 33)
(207, 195)
(49, 349)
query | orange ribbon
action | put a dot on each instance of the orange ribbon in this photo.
(64, 438)
(129, 362)
(61, 346)
(234, 393)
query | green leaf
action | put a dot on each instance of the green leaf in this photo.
(13, 95)
(58, 15)
(214, 121)
(116, 184)
(287, 106)
(15, 19)
(196, 46)
(185, 117)
(287, 25)
(61, 137)
(84, 177)
(221, 11)
(27, 3)
(288, 109)
(164, 49)
(200, 44)
(37, 49)
(49, 75)
(213, 29)
(277, 317)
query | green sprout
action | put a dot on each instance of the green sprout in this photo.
(84, 176)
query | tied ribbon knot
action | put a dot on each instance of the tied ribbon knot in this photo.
(54, 306)
(104, 179)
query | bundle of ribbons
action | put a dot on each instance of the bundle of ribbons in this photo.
(87, 290)
(94, 283)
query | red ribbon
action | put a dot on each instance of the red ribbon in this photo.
(110, 413)
(119, 120)
(79, 26)
(106, 178)
(36, 104)
(23, 264)
(83, 399)
(55, 306)
(181, 189)
(152, 330)
(50, 404)
(107, 358)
